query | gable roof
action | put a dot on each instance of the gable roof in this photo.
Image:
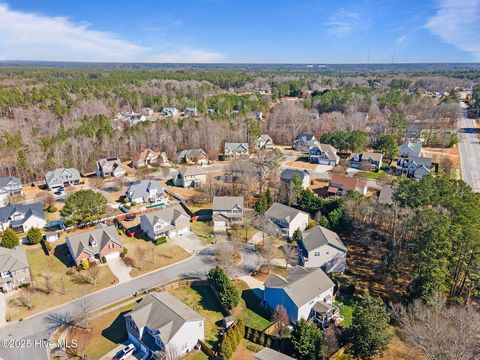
(319, 236)
(167, 214)
(12, 259)
(421, 161)
(269, 354)
(35, 209)
(61, 175)
(92, 242)
(191, 153)
(301, 285)
(265, 138)
(227, 202)
(110, 164)
(327, 149)
(366, 155)
(347, 182)
(9, 180)
(411, 148)
(143, 188)
(191, 171)
(305, 137)
(284, 212)
(144, 154)
(233, 147)
(287, 174)
(162, 311)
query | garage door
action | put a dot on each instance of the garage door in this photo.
(183, 231)
(112, 255)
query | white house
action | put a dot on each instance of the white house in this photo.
(287, 175)
(227, 210)
(190, 176)
(304, 142)
(61, 177)
(11, 185)
(322, 248)
(110, 167)
(22, 218)
(264, 141)
(323, 154)
(170, 221)
(160, 322)
(300, 292)
(287, 218)
(233, 150)
(142, 191)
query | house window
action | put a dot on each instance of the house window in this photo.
(317, 253)
(110, 246)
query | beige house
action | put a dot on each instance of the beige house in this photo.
(14, 270)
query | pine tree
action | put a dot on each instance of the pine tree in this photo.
(34, 235)
(10, 239)
(268, 198)
(261, 205)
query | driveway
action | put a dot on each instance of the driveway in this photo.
(189, 242)
(3, 306)
(33, 329)
(119, 269)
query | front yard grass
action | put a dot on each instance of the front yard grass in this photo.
(372, 175)
(202, 300)
(249, 308)
(155, 257)
(64, 287)
(204, 230)
(242, 232)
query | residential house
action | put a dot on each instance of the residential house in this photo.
(4, 198)
(261, 91)
(410, 149)
(211, 111)
(14, 270)
(22, 218)
(110, 167)
(269, 354)
(323, 154)
(190, 111)
(304, 142)
(62, 177)
(170, 221)
(234, 150)
(257, 115)
(102, 241)
(301, 292)
(367, 160)
(288, 219)
(191, 176)
(227, 210)
(265, 142)
(415, 166)
(161, 322)
(146, 111)
(287, 174)
(142, 191)
(193, 156)
(11, 185)
(340, 185)
(169, 111)
(322, 248)
(148, 157)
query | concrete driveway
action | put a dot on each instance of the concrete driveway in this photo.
(189, 242)
(119, 269)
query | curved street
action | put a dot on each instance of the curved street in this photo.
(22, 340)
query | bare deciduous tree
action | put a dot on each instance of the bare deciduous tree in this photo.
(140, 256)
(280, 317)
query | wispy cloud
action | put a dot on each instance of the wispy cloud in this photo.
(28, 36)
(457, 23)
(343, 22)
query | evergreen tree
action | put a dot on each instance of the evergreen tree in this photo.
(306, 339)
(34, 235)
(261, 205)
(296, 236)
(268, 198)
(84, 206)
(9, 239)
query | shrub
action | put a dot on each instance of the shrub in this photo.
(85, 264)
(10, 239)
(79, 267)
(133, 203)
(34, 235)
(103, 259)
(227, 292)
(52, 209)
(160, 240)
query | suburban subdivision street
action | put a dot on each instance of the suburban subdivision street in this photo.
(469, 148)
(21, 341)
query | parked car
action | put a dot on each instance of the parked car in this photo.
(125, 352)
(130, 217)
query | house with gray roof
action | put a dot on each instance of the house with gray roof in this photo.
(22, 217)
(191, 176)
(269, 354)
(226, 211)
(416, 167)
(169, 111)
(160, 322)
(371, 161)
(190, 111)
(287, 174)
(110, 167)
(14, 269)
(265, 142)
(410, 148)
(102, 241)
(170, 221)
(299, 292)
(323, 154)
(11, 185)
(193, 156)
(234, 150)
(288, 219)
(304, 142)
(142, 191)
(322, 248)
(62, 177)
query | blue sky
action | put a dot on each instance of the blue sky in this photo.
(260, 31)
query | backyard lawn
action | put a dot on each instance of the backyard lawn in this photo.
(155, 256)
(201, 299)
(50, 272)
(374, 175)
(249, 308)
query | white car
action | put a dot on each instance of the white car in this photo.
(125, 352)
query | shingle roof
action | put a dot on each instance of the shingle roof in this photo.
(35, 209)
(143, 188)
(280, 211)
(372, 155)
(168, 214)
(192, 153)
(328, 149)
(305, 137)
(162, 311)
(62, 175)
(7, 180)
(269, 354)
(421, 161)
(191, 171)
(319, 236)
(142, 155)
(411, 148)
(287, 174)
(235, 146)
(12, 259)
(301, 285)
(227, 202)
(347, 182)
(92, 242)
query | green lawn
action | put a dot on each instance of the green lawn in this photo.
(249, 308)
(244, 234)
(203, 230)
(196, 355)
(202, 300)
(374, 175)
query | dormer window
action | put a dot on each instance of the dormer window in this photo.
(93, 243)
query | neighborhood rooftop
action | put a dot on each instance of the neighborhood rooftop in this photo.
(280, 211)
(92, 242)
(227, 202)
(319, 236)
(167, 214)
(12, 259)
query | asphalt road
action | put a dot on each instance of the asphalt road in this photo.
(469, 147)
(21, 341)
